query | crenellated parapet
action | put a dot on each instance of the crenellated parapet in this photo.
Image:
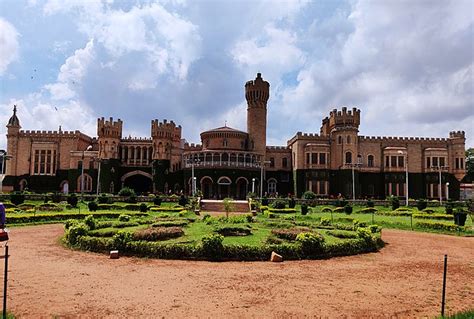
(165, 129)
(402, 139)
(457, 134)
(109, 128)
(340, 120)
(190, 147)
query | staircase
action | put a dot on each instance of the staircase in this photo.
(238, 206)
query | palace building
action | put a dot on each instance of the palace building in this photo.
(230, 163)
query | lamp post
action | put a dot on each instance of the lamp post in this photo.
(353, 166)
(98, 177)
(440, 187)
(405, 156)
(193, 179)
(447, 191)
(82, 171)
(262, 165)
(253, 185)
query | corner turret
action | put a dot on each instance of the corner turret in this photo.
(257, 93)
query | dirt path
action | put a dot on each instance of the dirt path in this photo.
(403, 280)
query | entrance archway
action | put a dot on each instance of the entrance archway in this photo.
(242, 187)
(139, 181)
(206, 187)
(223, 187)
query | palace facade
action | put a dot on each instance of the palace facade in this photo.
(231, 163)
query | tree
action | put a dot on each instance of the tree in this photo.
(228, 206)
(469, 165)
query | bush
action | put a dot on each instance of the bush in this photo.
(421, 204)
(56, 197)
(374, 229)
(182, 201)
(120, 224)
(325, 222)
(348, 209)
(17, 198)
(288, 233)
(92, 206)
(212, 246)
(341, 202)
(264, 201)
(69, 223)
(132, 199)
(121, 239)
(127, 192)
(233, 231)
(159, 233)
(90, 222)
(304, 209)
(428, 210)
(370, 203)
(143, 208)
(124, 218)
(268, 214)
(403, 209)
(291, 203)
(104, 199)
(171, 223)
(439, 226)
(49, 207)
(395, 202)
(338, 209)
(460, 217)
(433, 216)
(311, 243)
(309, 195)
(157, 201)
(343, 234)
(282, 210)
(133, 207)
(72, 200)
(326, 210)
(367, 210)
(365, 234)
(279, 204)
(74, 232)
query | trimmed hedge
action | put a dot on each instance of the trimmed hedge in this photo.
(395, 213)
(171, 223)
(30, 218)
(367, 210)
(176, 209)
(282, 210)
(289, 233)
(342, 234)
(159, 233)
(433, 216)
(234, 230)
(440, 226)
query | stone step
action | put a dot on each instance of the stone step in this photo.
(218, 206)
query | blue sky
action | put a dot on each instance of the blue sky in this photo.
(408, 65)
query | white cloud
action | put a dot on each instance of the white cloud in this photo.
(8, 45)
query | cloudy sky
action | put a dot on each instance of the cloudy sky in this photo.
(408, 65)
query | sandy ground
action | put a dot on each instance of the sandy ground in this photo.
(403, 280)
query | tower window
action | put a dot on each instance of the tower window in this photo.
(370, 162)
(224, 143)
(339, 140)
(272, 162)
(284, 162)
(348, 139)
(348, 157)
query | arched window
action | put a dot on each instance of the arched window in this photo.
(348, 157)
(339, 140)
(348, 139)
(272, 186)
(370, 161)
(224, 143)
(87, 183)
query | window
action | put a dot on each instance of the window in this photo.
(371, 189)
(348, 157)
(272, 162)
(224, 143)
(393, 161)
(308, 158)
(314, 158)
(359, 159)
(370, 161)
(348, 139)
(387, 162)
(272, 186)
(457, 163)
(428, 162)
(339, 140)
(401, 161)
(322, 188)
(435, 161)
(284, 162)
(441, 161)
(44, 162)
(36, 166)
(461, 160)
(87, 183)
(322, 158)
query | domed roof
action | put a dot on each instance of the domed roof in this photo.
(224, 129)
(14, 121)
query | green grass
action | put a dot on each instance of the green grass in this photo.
(468, 314)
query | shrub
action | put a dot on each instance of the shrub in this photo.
(311, 243)
(365, 234)
(74, 232)
(143, 208)
(367, 210)
(120, 224)
(127, 192)
(104, 199)
(56, 197)
(264, 201)
(133, 207)
(25, 206)
(69, 223)
(279, 204)
(309, 195)
(325, 222)
(421, 204)
(326, 210)
(304, 209)
(124, 218)
(268, 214)
(370, 203)
(49, 207)
(291, 203)
(282, 210)
(395, 213)
(92, 206)
(233, 231)
(182, 201)
(348, 209)
(374, 229)
(121, 239)
(17, 198)
(212, 246)
(344, 234)
(288, 233)
(132, 199)
(395, 202)
(433, 216)
(428, 210)
(356, 224)
(338, 209)
(90, 222)
(157, 201)
(403, 209)
(460, 217)
(439, 226)
(341, 202)
(171, 223)
(159, 233)
(72, 200)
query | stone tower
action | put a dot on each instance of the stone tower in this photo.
(109, 133)
(13, 134)
(257, 93)
(166, 137)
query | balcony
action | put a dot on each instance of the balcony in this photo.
(209, 159)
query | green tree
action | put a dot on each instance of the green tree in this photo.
(228, 206)
(469, 165)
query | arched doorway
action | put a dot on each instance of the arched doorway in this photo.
(64, 187)
(242, 187)
(223, 187)
(206, 187)
(139, 181)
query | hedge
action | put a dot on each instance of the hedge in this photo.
(166, 209)
(171, 223)
(234, 230)
(282, 210)
(30, 218)
(433, 216)
(367, 210)
(395, 213)
(440, 226)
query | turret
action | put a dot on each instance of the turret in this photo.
(109, 133)
(13, 131)
(166, 136)
(257, 93)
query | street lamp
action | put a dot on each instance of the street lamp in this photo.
(193, 161)
(262, 165)
(82, 171)
(253, 185)
(98, 176)
(447, 191)
(440, 169)
(405, 156)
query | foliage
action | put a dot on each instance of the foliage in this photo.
(279, 204)
(92, 206)
(124, 218)
(460, 217)
(69, 223)
(264, 201)
(325, 221)
(326, 210)
(121, 239)
(50, 207)
(344, 234)
(309, 195)
(127, 192)
(395, 213)
(288, 233)
(56, 197)
(282, 210)
(72, 199)
(157, 200)
(421, 204)
(74, 232)
(291, 202)
(104, 199)
(17, 198)
(143, 208)
(90, 222)
(403, 209)
(228, 206)
(370, 204)
(311, 243)
(365, 234)
(348, 209)
(439, 226)
(212, 246)
(304, 209)
(183, 201)
(395, 202)
(171, 223)
(367, 210)
(341, 202)
(52, 217)
(233, 230)
(433, 216)
(158, 233)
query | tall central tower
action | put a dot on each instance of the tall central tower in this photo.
(257, 93)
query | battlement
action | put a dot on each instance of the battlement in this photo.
(109, 128)
(54, 134)
(343, 118)
(257, 91)
(457, 134)
(192, 147)
(136, 139)
(401, 139)
(277, 148)
(165, 129)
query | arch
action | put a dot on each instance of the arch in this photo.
(23, 184)
(87, 183)
(348, 158)
(64, 186)
(339, 140)
(370, 160)
(242, 185)
(272, 186)
(348, 139)
(224, 180)
(223, 187)
(136, 172)
(207, 187)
